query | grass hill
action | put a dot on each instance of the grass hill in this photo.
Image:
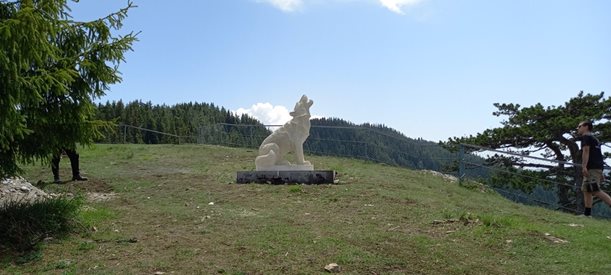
(176, 209)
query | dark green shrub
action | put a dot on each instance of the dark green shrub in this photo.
(24, 225)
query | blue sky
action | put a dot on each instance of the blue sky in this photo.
(428, 68)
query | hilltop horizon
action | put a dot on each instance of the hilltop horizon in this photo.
(270, 115)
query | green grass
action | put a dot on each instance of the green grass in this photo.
(24, 225)
(377, 220)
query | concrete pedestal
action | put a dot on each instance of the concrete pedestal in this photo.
(284, 177)
(291, 167)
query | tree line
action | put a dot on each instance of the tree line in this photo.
(183, 122)
(211, 124)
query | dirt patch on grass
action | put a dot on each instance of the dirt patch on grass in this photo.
(443, 227)
(99, 197)
(90, 186)
(94, 190)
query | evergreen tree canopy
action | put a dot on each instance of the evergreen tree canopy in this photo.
(549, 130)
(51, 70)
(191, 121)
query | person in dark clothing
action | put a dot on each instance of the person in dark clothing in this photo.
(592, 165)
(74, 162)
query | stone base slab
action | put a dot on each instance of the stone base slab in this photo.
(286, 177)
(291, 167)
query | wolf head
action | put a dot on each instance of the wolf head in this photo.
(302, 108)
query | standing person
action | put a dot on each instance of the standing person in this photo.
(74, 162)
(592, 164)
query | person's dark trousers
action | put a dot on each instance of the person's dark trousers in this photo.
(74, 162)
(55, 167)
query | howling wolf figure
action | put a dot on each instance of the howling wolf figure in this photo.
(288, 138)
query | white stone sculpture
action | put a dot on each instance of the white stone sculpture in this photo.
(288, 138)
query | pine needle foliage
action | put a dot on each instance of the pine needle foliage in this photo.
(51, 69)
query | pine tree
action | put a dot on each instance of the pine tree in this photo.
(537, 129)
(51, 70)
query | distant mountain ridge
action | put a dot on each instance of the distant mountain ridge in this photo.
(376, 142)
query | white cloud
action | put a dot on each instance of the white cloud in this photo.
(285, 5)
(267, 113)
(397, 5)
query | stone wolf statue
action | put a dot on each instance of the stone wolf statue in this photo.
(288, 138)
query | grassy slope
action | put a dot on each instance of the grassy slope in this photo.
(379, 219)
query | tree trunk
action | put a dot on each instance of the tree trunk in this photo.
(578, 178)
(568, 197)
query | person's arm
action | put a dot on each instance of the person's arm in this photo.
(585, 155)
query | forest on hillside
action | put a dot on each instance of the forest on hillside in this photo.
(206, 123)
(375, 142)
(162, 124)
